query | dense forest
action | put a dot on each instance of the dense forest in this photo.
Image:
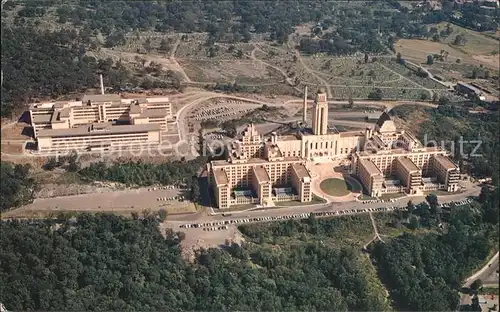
(423, 273)
(105, 262)
(449, 123)
(181, 172)
(38, 65)
(16, 185)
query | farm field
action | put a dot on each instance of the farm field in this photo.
(477, 43)
(417, 51)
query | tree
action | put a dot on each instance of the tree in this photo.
(459, 40)
(432, 199)
(400, 59)
(410, 207)
(16, 185)
(476, 285)
(376, 95)
(162, 215)
(414, 223)
(433, 31)
(73, 163)
(474, 74)
(164, 46)
(435, 97)
(181, 236)
(430, 60)
(230, 128)
(443, 100)
(51, 164)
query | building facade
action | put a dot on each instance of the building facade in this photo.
(260, 169)
(104, 122)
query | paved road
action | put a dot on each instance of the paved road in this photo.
(175, 221)
(488, 274)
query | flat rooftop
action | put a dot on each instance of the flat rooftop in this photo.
(400, 151)
(351, 133)
(370, 167)
(221, 163)
(97, 129)
(408, 164)
(42, 118)
(101, 98)
(330, 130)
(301, 170)
(220, 177)
(288, 137)
(445, 161)
(261, 174)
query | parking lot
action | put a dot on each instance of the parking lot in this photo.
(122, 202)
(222, 109)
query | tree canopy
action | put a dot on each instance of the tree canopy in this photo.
(16, 185)
(105, 262)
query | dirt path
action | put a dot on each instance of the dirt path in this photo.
(255, 59)
(169, 63)
(431, 92)
(313, 73)
(309, 70)
(174, 61)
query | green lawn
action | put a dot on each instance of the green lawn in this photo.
(366, 197)
(392, 195)
(315, 200)
(335, 187)
(441, 193)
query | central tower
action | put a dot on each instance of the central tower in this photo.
(320, 113)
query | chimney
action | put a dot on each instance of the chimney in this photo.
(102, 85)
(304, 118)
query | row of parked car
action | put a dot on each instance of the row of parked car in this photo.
(168, 187)
(287, 217)
(218, 224)
(456, 203)
(392, 200)
(216, 228)
(179, 198)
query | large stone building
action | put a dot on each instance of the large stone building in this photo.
(395, 161)
(99, 122)
(261, 169)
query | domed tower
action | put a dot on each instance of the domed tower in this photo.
(320, 113)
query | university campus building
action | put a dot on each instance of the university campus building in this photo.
(99, 122)
(260, 170)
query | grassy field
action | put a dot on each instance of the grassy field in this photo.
(239, 71)
(478, 49)
(477, 43)
(335, 187)
(315, 200)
